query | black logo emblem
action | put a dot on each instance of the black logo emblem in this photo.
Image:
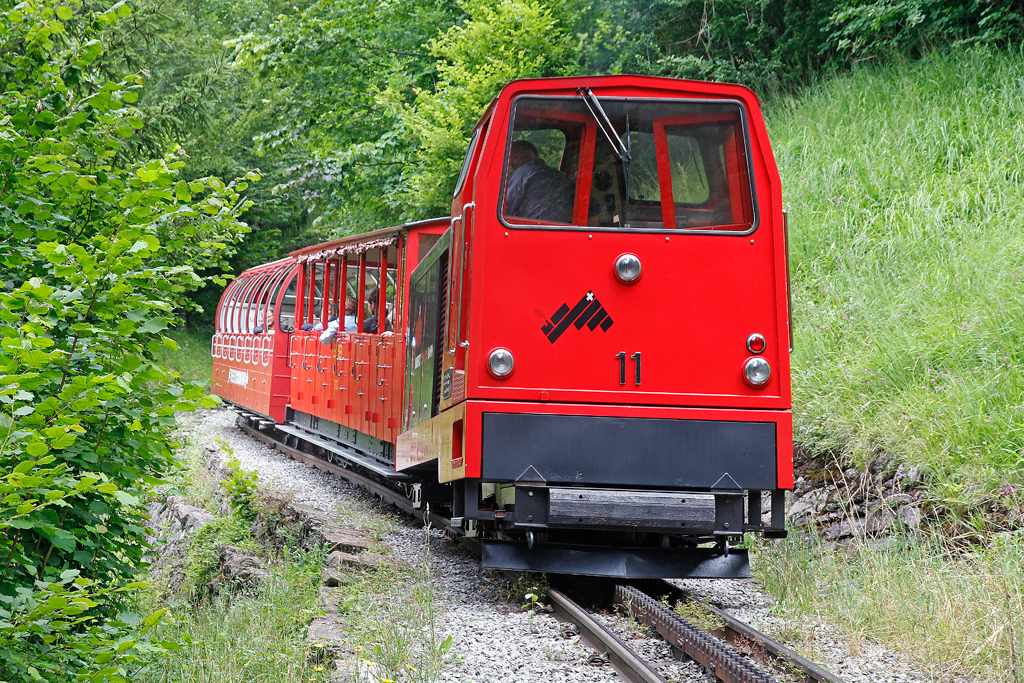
(588, 311)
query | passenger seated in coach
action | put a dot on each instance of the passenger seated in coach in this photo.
(370, 323)
(332, 325)
(538, 192)
(351, 325)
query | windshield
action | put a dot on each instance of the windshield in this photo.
(676, 164)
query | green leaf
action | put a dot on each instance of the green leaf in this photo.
(63, 441)
(126, 498)
(37, 449)
(64, 13)
(154, 325)
(153, 618)
(87, 182)
(63, 540)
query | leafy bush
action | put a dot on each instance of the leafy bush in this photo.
(99, 249)
(241, 489)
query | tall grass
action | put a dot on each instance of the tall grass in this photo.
(248, 638)
(957, 614)
(192, 358)
(905, 188)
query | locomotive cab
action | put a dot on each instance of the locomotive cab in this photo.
(598, 358)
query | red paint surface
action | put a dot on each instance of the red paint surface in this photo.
(689, 316)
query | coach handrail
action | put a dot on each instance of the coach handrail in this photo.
(376, 371)
(338, 344)
(247, 349)
(288, 359)
(455, 338)
(267, 349)
(466, 208)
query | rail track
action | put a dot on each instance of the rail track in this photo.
(734, 652)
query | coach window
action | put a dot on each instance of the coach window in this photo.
(245, 303)
(663, 164)
(252, 302)
(228, 307)
(225, 306)
(468, 161)
(286, 314)
(241, 304)
(236, 304)
(258, 309)
(314, 293)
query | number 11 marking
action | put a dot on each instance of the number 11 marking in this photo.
(621, 355)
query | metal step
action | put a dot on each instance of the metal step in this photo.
(351, 456)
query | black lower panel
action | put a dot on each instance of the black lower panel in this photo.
(628, 563)
(583, 449)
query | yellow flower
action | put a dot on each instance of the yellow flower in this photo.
(410, 667)
(386, 680)
(318, 668)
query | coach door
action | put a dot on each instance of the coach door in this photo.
(459, 275)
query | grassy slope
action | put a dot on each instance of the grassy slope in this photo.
(905, 188)
(192, 357)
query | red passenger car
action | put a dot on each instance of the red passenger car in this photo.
(587, 363)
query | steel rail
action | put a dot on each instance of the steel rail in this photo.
(621, 656)
(393, 497)
(722, 661)
(739, 633)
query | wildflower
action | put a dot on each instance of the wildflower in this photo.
(318, 668)
(410, 667)
(386, 680)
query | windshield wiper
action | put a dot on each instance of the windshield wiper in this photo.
(619, 149)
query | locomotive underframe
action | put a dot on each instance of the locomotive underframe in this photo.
(534, 525)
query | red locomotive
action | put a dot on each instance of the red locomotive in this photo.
(587, 363)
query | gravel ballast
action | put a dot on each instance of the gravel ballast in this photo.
(495, 641)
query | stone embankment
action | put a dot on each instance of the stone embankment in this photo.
(852, 504)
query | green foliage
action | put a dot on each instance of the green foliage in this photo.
(99, 249)
(240, 487)
(191, 359)
(47, 632)
(903, 187)
(780, 46)
(204, 549)
(244, 637)
(497, 42)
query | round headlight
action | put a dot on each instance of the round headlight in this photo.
(501, 363)
(757, 372)
(628, 268)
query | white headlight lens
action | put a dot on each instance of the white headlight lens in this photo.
(757, 371)
(501, 362)
(628, 268)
